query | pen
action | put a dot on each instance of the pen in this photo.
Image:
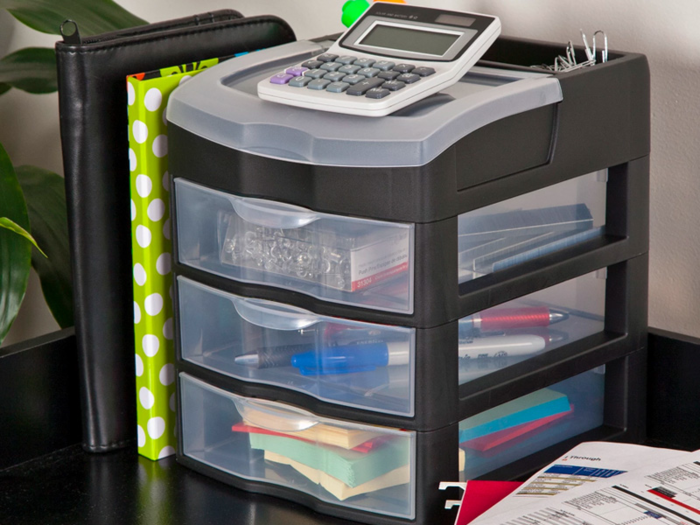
(352, 358)
(501, 346)
(497, 319)
(273, 356)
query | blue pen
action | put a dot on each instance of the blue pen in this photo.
(352, 358)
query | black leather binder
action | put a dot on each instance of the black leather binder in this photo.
(93, 119)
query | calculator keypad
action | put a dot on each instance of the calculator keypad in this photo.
(352, 75)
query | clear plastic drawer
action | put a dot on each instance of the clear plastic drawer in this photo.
(360, 466)
(340, 259)
(356, 364)
(520, 229)
(531, 423)
(530, 325)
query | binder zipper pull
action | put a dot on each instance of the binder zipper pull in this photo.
(70, 33)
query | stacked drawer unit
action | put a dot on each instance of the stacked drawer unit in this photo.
(367, 307)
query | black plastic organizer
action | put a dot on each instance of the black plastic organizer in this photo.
(601, 124)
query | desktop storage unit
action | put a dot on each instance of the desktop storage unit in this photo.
(367, 307)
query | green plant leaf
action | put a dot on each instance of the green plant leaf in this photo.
(92, 16)
(15, 251)
(46, 204)
(14, 227)
(32, 69)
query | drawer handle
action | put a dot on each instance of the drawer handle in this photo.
(270, 416)
(272, 214)
(268, 314)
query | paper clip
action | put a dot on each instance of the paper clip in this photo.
(569, 63)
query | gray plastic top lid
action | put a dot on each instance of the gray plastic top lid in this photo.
(221, 105)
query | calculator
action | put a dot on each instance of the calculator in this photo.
(391, 57)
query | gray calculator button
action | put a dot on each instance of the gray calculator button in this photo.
(404, 68)
(331, 66)
(364, 86)
(334, 77)
(326, 57)
(384, 65)
(318, 84)
(408, 78)
(312, 64)
(369, 72)
(388, 75)
(353, 79)
(346, 59)
(393, 85)
(300, 81)
(423, 71)
(349, 70)
(337, 87)
(315, 73)
(377, 93)
(364, 62)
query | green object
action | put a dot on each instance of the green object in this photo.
(14, 227)
(46, 204)
(92, 16)
(148, 95)
(15, 250)
(352, 10)
(351, 467)
(32, 69)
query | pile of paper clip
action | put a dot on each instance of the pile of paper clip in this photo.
(569, 63)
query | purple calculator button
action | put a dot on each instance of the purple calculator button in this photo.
(296, 71)
(281, 78)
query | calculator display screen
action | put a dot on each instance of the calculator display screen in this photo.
(414, 40)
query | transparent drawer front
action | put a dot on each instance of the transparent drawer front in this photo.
(361, 466)
(531, 423)
(357, 364)
(341, 259)
(517, 230)
(530, 325)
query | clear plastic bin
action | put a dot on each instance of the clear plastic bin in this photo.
(531, 423)
(356, 364)
(530, 325)
(520, 229)
(340, 259)
(360, 466)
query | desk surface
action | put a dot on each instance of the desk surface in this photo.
(71, 486)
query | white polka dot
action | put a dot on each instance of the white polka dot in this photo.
(139, 365)
(166, 181)
(163, 263)
(168, 329)
(140, 131)
(172, 402)
(146, 398)
(140, 278)
(156, 427)
(150, 344)
(143, 236)
(166, 229)
(131, 94)
(167, 374)
(153, 304)
(153, 99)
(142, 436)
(132, 160)
(133, 210)
(160, 146)
(167, 451)
(184, 79)
(144, 185)
(137, 313)
(156, 210)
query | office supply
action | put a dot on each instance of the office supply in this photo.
(338, 488)
(93, 118)
(393, 56)
(498, 319)
(352, 468)
(500, 346)
(268, 357)
(352, 358)
(537, 405)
